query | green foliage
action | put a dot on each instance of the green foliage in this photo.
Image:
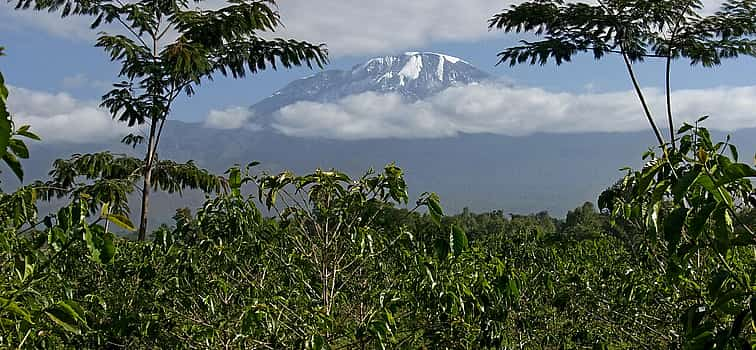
(584, 222)
(340, 266)
(108, 179)
(36, 301)
(670, 262)
(635, 29)
(11, 147)
(638, 29)
(689, 202)
(231, 41)
(5, 118)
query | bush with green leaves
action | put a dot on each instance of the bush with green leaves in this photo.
(690, 202)
(328, 271)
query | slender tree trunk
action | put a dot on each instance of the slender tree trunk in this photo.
(642, 98)
(669, 103)
(147, 184)
(151, 146)
(675, 30)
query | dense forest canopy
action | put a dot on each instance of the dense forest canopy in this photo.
(325, 260)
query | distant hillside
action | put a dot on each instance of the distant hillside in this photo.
(553, 172)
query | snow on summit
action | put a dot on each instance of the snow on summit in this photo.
(409, 66)
(412, 68)
(412, 75)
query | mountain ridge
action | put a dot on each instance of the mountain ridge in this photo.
(412, 75)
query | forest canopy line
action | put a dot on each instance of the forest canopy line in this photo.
(667, 260)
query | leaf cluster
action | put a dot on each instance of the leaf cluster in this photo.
(689, 203)
(637, 29)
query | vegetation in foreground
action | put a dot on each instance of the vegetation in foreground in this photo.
(670, 262)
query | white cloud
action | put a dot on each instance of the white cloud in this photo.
(508, 111)
(347, 27)
(230, 118)
(72, 27)
(389, 26)
(377, 27)
(59, 117)
(81, 80)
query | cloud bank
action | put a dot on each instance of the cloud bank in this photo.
(347, 27)
(378, 27)
(59, 117)
(231, 118)
(71, 28)
(471, 109)
(509, 111)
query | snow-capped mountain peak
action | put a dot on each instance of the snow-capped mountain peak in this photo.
(409, 66)
(412, 75)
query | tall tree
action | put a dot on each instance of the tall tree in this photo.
(169, 47)
(633, 29)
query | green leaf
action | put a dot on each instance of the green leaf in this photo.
(19, 148)
(29, 135)
(734, 152)
(67, 314)
(707, 183)
(234, 180)
(108, 249)
(14, 164)
(100, 244)
(14, 308)
(723, 230)
(3, 90)
(441, 248)
(673, 225)
(318, 342)
(513, 291)
(698, 222)
(734, 172)
(6, 126)
(121, 220)
(680, 188)
(459, 240)
(5, 130)
(434, 208)
(716, 282)
(685, 128)
(429, 273)
(701, 340)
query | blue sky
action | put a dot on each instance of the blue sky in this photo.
(48, 55)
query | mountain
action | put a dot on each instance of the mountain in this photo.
(413, 75)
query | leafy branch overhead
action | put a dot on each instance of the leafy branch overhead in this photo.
(636, 28)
